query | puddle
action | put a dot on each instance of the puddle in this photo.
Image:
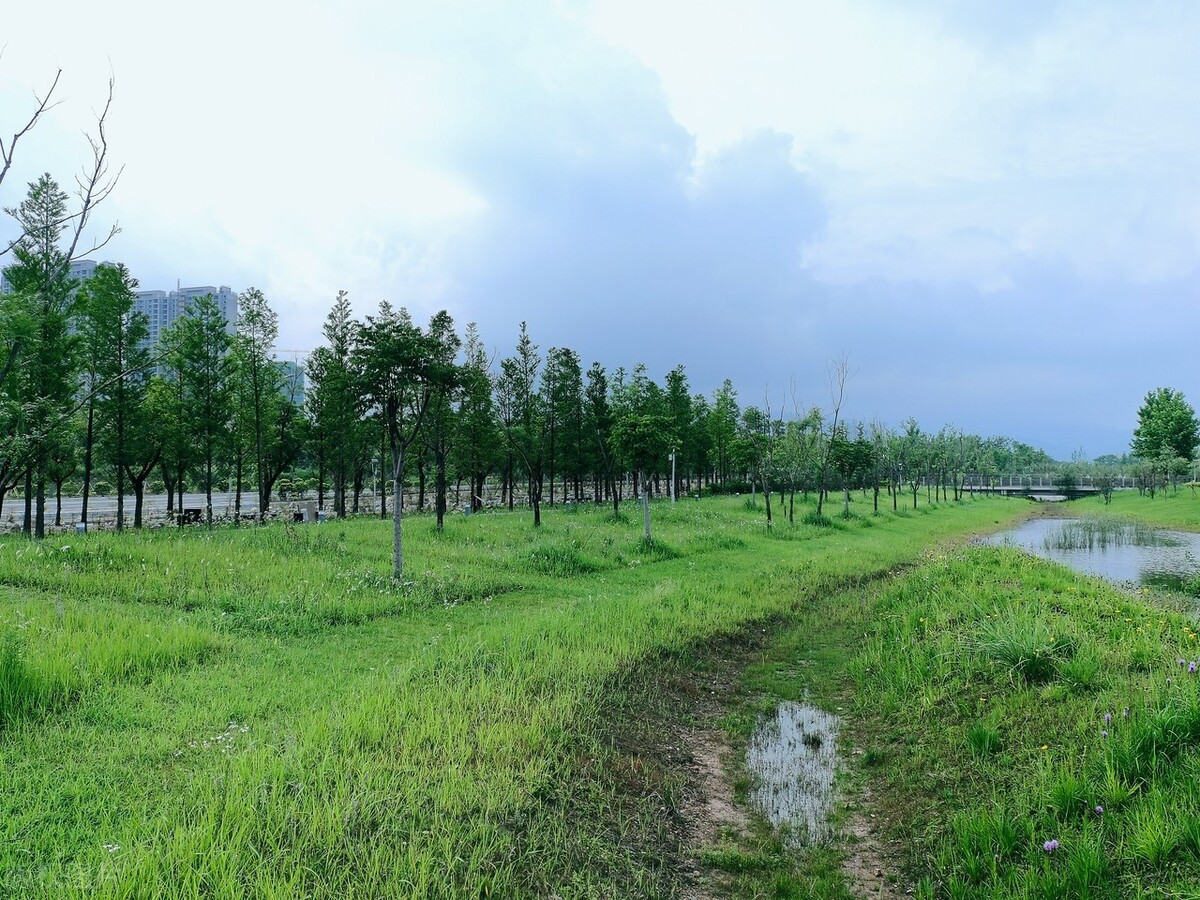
(793, 756)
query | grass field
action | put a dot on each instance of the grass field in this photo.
(259, 712)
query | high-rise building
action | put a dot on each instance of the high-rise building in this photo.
(163, 308)
(80, 270)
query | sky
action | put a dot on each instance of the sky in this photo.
(991, 209)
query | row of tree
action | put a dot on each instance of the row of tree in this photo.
(82, 387)
(388, 397)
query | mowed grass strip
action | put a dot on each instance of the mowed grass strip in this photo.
(421, 744)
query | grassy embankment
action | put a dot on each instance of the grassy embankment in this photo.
(256, 712)
(1026, 732)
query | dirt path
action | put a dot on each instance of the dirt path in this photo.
(684, 738)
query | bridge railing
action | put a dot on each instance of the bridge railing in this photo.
(1043, 481)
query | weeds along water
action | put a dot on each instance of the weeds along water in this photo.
(1100, 532)
(271, 717)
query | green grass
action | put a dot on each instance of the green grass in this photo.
(277, 720)
(989, 639)
(1179, 509)
(995, 702)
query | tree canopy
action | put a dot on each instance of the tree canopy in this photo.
(1166, 421)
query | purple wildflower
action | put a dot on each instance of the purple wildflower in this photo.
(1050, 846)
(1181, 661)
(1108, 718)
(1104, 733)
(1191, 668)
(1099, 810)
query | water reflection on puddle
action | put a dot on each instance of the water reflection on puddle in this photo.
(793, 755)
(1158, 557)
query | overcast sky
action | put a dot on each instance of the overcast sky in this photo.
(992, 208)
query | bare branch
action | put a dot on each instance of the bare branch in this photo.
(8, 150)
(94, 185)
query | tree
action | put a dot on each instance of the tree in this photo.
(400, 367)
(113, 335)
(722, 429)
(1165, 421)
(562, 386)
(205, 367)
(37, 331)
(642, 439)
(334, 401)
(258, 385)
(914, 455)
(680, 411)
(598, 423)
(93, 184)
(477, 431)
(839, 374)
(150, 428)
(524, 416)
(439, 432)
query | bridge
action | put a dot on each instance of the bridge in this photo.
(1045, 485)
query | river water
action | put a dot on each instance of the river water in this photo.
(1120, 552)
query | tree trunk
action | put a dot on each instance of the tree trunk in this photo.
(120, 492)
(208, 478)
(40, 520)
(139, 495)
(87, 462)
(645, 511)
(237, 492)
(397, 513)
(169, 487)
(439, 486)
(28, 524)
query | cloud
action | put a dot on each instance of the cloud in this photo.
(993, 200)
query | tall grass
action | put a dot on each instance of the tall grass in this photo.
(1098, 533)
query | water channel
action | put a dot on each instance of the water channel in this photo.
(1108, 548)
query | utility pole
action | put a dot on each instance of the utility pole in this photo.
(672, 476)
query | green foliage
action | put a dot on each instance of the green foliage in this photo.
(1166, 422)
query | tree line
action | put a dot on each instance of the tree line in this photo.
(84, 399)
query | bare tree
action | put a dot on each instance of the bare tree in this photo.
(93, 185)
(8, 150)
(839, 373)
